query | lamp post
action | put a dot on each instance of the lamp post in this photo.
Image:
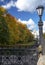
(40, 24)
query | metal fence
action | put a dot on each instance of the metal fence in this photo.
(18, 56)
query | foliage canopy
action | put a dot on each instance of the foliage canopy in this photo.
(12, 31)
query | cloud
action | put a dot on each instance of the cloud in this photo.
(36, 33)
(30, 23)
(24, 5)
(31, 26)
(9, 4)
(2, 0)
(28, 5)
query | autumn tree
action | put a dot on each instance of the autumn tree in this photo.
(4, 34)
(12, 31)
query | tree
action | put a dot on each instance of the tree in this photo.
(4, 33)
(11, 31)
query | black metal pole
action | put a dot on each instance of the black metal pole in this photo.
(40, 24)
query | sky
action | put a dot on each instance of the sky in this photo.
(25, 12)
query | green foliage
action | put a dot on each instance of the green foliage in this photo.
(13, 32)
(4, 34)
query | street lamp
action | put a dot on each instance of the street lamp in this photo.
(40, 24)
(40, 11)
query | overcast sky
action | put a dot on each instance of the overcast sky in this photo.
(25, 12)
